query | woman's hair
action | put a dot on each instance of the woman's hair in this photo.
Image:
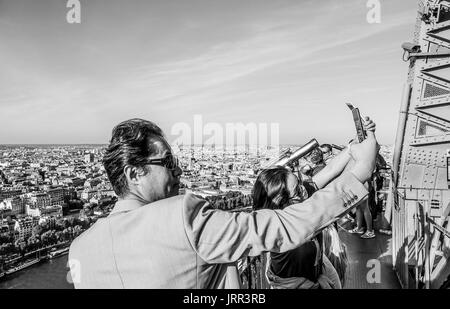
(335, 251)
(271, 190)
(316, 156)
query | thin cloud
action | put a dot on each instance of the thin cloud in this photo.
(280, 54)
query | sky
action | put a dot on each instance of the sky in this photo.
(292, 62)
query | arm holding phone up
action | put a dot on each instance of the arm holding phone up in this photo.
(224, 237)
(343, 161)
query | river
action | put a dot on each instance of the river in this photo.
(49, 274)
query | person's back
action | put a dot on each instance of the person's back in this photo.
(141, 247)
(304, 261)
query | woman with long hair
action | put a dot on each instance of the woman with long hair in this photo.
(306, 267)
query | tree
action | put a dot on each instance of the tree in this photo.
(6, 249)
(52, 237)
(44, 239)
(45, 226)
(37, 230)
(3, 249)
(5, 239)
(33, 242)
(77, 230)
(71, 221)
(65, 224)
(70, 232)
(59, 236)
(86, 223)
(21, 246)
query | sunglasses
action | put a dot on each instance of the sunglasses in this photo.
(170, 162)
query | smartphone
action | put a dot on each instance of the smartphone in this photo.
(358, 123)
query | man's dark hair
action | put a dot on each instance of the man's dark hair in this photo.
(131, 144)
(316, 156)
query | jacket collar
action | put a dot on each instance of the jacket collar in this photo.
(126, 205)
(129, 204)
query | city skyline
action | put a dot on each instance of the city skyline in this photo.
(230, 61)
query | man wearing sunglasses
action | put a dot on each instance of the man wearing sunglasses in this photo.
(155, 238)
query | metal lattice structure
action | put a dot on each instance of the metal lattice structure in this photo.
(420, 186)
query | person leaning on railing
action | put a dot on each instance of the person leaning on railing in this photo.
(155, 238)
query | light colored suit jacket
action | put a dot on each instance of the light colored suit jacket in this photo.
(183, 242)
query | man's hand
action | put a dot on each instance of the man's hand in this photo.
(369, 125)
(365, 155)
(342, 161)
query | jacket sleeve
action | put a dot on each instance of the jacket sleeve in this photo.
(223, 237)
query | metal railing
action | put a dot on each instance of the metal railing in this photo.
(400, 240)
(413, 240)
(252, 271)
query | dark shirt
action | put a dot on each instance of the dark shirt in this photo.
(310, 186)
(304, 261)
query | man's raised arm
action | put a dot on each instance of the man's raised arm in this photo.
(338, 164)
(224, 237)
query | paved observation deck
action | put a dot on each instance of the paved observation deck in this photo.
(359, 252)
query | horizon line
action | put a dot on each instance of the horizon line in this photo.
(103, 144)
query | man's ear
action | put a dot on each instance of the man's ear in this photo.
(132, 174)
